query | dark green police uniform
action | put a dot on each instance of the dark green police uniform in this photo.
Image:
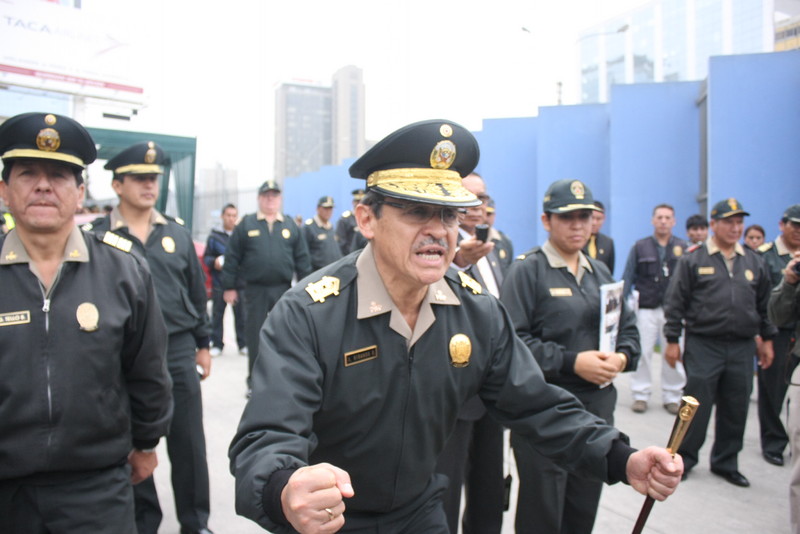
(180, 287)
(346, 225)
(722, 305)
(267, 257)
(557, 314)
(773, 381)
(82, 370)
(321, 241)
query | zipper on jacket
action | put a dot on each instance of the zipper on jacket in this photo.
(46, 309)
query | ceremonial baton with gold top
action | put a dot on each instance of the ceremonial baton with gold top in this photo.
(684, 418)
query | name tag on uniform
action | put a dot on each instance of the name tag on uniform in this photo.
(361, 355)
(560, 292)
(17, 317)
(705, 270)
(253, 233)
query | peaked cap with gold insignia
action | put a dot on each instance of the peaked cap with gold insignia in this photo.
(46, 136)
(568, 195)
(727, 208)
(422, 162)
(142, 158)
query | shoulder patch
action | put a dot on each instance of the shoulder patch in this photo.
(765, 247)
(470, 283)
(324, 288)
(526, 254)
(117, 241)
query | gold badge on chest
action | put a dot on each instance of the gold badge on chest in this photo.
(88, 316)
(460, 350)
(286, 233)
(168, 244)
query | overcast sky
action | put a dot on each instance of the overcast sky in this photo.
(212, 67)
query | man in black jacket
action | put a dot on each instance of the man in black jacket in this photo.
(650, 265)
(719, 296)
(214, 258)
(85, 390)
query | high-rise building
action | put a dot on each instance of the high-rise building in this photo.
(670, 40)
(316, 125)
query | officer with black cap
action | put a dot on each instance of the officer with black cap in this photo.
(320, 237)
(86, 394)
(346, 225)
(718, 297)
(553, 295)
(364, 366)
(774, 380)
(266, 250)
(180, 285)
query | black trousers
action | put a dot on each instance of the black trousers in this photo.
(186, 447)
(718, 371)
(473, 458)
(773, 383)
(96, 501)
(551, 500)
(218, 305)
(259, 300)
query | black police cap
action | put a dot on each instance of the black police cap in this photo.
(727, 208)
(325, 202)
(792, 213)
(422, 162)
(568, 195)
(142, 158)
(269, 185)
(46, 136)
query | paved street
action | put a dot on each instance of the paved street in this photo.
(704, 503)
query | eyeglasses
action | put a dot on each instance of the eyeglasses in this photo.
(420, 214)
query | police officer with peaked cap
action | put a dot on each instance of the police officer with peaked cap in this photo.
(320, 236)
(346, 225)
(718, 297)
(774, 380)
(86, 394)
(180, 285)
(365, 365)
(553, 296)
(266, 250)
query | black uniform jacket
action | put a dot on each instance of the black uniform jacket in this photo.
(82, 371)
(712, 302)
(321, 241)
(177, 273)
(557, 317)
(340, 379)
(263, 257)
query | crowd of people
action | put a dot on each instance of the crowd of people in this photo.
(387, 353)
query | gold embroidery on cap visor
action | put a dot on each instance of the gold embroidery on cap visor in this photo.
(140, 168)
(437, 186)
(41, 154)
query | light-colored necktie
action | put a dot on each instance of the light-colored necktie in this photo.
(593, 246)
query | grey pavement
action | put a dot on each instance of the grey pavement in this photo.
(703, 504)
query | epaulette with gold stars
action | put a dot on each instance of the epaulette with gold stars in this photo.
(765, 247)
(117, 241)
(526, 254)
(324, 288)
(470, 283)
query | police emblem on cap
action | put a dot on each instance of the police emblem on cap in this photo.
(446, 130)
(443, 155)
(168, 244)
(50, 119)
(732, 204)
(151, 154)
(48, 140)
(577, 189)
(88, 316)
(460, 350)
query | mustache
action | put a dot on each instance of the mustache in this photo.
(428, 241)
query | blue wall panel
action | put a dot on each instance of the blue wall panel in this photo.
(655, 158)
(754, 133)
(300, 194)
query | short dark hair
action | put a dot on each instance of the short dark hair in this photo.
(8, 164)
(228, 206)
(696, 220)
(757, 228)
(665, 206)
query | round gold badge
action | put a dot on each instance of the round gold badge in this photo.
(748, 274)
(48, 140)
(460, 350)
(503, 254)
(446, 130)
(168, 244)
(286, 233)
(677, 251)
(443, 155)
(577, 189)
(49, 119)
(88, 316)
